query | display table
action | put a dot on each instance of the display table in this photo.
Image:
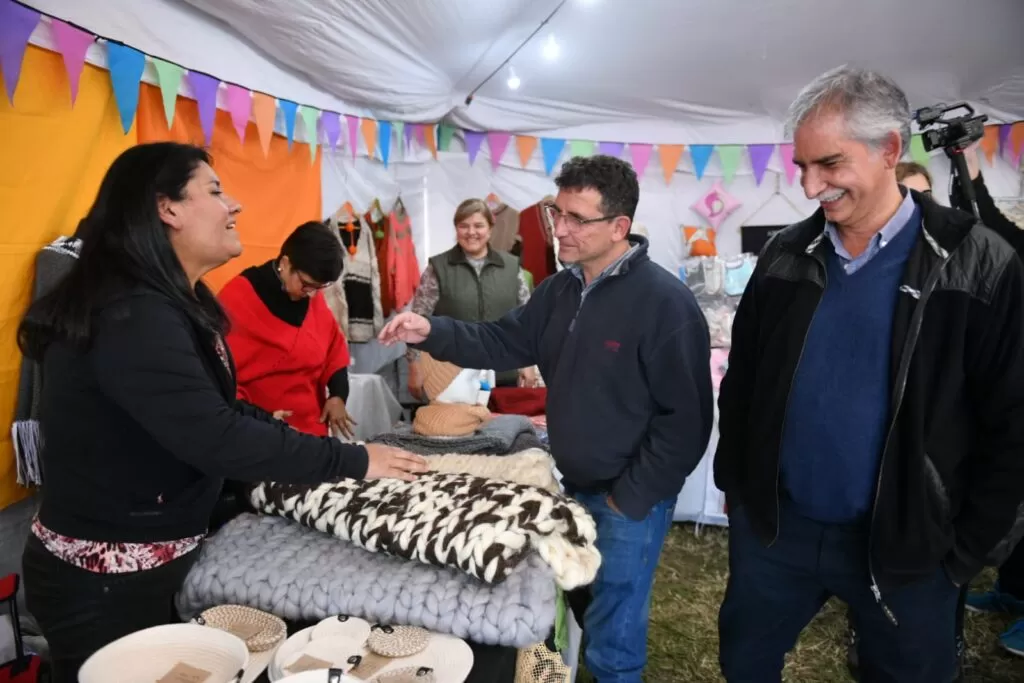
(372, 405)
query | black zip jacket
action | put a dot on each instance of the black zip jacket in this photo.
(951, 480)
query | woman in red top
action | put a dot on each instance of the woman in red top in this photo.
(292, 357)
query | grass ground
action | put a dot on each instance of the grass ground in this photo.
(683, 638)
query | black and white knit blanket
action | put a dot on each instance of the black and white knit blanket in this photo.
(300, 574)
(500, 435)
(52, 264)
(481, 526)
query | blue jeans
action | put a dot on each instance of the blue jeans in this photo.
(773, 593)
(615, 620)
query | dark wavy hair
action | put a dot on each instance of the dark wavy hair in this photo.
(613, 178)
(313, 249)
(124, 245)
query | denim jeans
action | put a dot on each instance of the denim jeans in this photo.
(615, 619)
(774, 592)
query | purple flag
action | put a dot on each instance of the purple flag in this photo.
(205, 90)
(474, 139)
(612, 149)
(330, 122)
(17, 23)
(760, 155)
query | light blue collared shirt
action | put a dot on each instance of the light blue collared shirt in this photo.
(899, 220)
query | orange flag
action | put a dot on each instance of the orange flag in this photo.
(369, 128)
(670, 155)
(990, 142)
(526, 144)
(264, 110)
(430, 137)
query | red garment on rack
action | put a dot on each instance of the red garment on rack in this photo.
(538, 252)
(402, 268)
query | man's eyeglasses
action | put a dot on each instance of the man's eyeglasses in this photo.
(573, 223)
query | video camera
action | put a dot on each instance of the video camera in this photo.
(953, 134)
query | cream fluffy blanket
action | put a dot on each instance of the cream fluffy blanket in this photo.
(533, 467)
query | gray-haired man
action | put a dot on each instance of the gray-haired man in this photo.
(872, 418)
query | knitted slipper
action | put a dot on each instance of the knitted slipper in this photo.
(397, 641)
(412, 674)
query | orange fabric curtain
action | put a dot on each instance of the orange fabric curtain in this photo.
(278, 192)
(54, 157)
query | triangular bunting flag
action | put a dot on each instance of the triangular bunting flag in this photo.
(17, 23)
(73, 44)
(126, 65)
(474, 139)
(309, 116)
(729, 157)
(917, 152)
(786, 155)
(289, 109)
(353, 133)
(760, 155)
(526, 145)
(408, 133)
(990, 143)
(445, 133)
(612, 149)
(670, 156)
(400, 128)
(701, 155)
(264, 113)
(498, 142)
(369, 130)
(1016, 142)
(1004, 136)
(168, 77)
(204, 88)
(582, 148)
(430, 138)
(640, 154)
(551, 148)
(239, 101)
(384, 140)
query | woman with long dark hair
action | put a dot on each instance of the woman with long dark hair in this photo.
(138, 415)
(292, 356)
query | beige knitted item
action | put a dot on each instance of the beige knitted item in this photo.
(532, 467)
(449, 419)
(437, 375)
(398, 641)
(538, 664)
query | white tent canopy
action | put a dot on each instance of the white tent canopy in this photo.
(656, 71)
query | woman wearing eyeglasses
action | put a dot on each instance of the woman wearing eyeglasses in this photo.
(471, 282)
(292, 357)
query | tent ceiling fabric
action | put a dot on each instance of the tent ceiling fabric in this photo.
(714, 71)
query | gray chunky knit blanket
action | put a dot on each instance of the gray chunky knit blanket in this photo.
(500, 435)
(303, 575)
(483, 527)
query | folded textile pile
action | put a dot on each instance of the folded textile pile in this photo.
(300, 574)
(482, 526)
(500, 435)
(532, 467)
(458, 398)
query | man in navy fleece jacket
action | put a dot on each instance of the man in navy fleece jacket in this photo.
(624, 350)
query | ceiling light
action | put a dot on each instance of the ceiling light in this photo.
(513, 80)
(551, 48)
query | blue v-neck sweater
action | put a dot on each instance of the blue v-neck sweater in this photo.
(839, 403)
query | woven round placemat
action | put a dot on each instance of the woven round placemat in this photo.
(397, 641)
(411, 674)
(260, 631)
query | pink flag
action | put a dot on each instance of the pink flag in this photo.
(353, 133)
(640, 153)
(240, 107)
(498, 142)
(72, 43)
(786, 154)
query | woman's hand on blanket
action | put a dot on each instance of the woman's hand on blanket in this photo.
(405, 327)
(387, 462)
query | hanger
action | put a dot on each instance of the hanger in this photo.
(493, 202)
(346, 220)
(773, 195)
(345, 214)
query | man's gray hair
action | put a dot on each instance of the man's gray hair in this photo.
(872, 104)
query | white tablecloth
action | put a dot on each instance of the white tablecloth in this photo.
(372, 405)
